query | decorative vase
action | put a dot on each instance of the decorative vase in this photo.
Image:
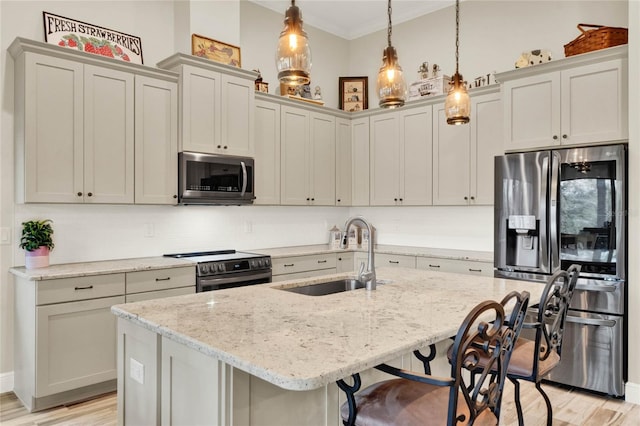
(38, 258)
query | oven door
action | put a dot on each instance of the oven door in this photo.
(239, 279)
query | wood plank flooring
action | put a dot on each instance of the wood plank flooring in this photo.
(570, 408)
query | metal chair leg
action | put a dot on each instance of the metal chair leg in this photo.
(516, 392)
(548, 402)
(351, 400)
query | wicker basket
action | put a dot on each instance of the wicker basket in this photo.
(599, 38)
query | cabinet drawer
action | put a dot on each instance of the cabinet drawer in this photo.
(160, 279)
(149, 295)
(398, 260)
(290, 265)
(79, 288)
(456, 266)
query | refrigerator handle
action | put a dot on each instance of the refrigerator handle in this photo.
(554, 230)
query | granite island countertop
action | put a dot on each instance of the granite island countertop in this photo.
(301, 342)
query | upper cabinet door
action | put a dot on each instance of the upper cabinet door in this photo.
(360, 161)
(238, 107)
(109, 135)
(156, 146)
(322, 161)
(344, 162)
(51, 92)
(594, 103)
(201, 110)
(486, 143)
(385, 161)
(451, 156)
(267, 152)
(532, 112)
(416, 146)
(294, 178)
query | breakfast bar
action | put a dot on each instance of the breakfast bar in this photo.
(265, 355)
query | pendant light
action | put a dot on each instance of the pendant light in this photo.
(293, 57)
(457, 106)
(391, 86)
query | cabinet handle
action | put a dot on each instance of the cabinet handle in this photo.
(473, 198)
(395, 199)
(225, 147)
(89, 287)
(555, 137)
(175, 196)
(288, 265)
(475, 270)
(339, 258)
(313, 199)
(466, 198)
(308, 198)
(219, 146)
(90, 194)
(395, 262)
(564, 136)
(434, 266)
(400, 199)
(163, 279)
(79, 194)
(322, 261)
(339, 200)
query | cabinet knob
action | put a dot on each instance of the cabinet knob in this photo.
(225, 147)
(79, 194)
(308, 198)
(338, 199)
(90, 194)
(473, 198)
(466, 198)
(219, 146)
(555, 137)
(400, 199)
(175, 196)
(395, 199)
(313, 199)
(564, 136)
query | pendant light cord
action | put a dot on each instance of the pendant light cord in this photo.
(389, 27)
(457, 30)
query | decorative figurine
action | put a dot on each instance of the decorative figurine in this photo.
(317, 94)
(436, 70)
(423, 71)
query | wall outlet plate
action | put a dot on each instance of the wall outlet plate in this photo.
(136, 370)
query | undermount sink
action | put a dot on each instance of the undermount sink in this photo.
(330, 287)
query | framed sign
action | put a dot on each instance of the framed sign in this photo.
(66, 32)
(353, 93)
(215, 50)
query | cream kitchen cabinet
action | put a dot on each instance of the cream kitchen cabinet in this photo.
(76, 124)
(267, 152)
(463, 156)
(579, 100)
(157, 283)
(401, 155)
(471, 267)
(344, 162)
(345, 261)
(360, 161)
(65, 338)
(294, 267)
(217, 106)
(396, 260)
(156, 141)
(308, 152)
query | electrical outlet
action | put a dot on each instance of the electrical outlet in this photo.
(136, 371)
(5, 236)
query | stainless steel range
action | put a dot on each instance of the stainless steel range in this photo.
(217, 270)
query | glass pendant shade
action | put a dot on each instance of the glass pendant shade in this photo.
(391, 86)
(457, 105)
(293, 57)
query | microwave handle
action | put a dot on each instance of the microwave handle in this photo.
(244, 178)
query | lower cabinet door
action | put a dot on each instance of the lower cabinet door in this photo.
(75, 345)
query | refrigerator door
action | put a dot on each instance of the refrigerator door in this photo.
(521, 243)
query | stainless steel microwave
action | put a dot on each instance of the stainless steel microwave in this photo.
(215, 179)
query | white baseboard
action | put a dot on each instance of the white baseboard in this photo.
(6, 382)
(632, 393)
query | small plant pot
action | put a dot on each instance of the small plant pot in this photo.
(38, 258)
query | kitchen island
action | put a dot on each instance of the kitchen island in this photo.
(262, 355)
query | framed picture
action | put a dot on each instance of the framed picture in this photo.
(90, 38)
(215, 50)
(353, 93)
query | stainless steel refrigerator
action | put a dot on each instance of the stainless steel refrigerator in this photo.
(559, 207)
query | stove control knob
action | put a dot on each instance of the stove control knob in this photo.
(203, 269)
(221, 267)
(260, 263)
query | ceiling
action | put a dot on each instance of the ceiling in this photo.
(355, 18)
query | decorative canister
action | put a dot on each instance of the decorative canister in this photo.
(366, 238)
(354, 232)
(335, 237)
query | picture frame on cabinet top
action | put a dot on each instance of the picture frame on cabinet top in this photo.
(215, 50)
(353, 93)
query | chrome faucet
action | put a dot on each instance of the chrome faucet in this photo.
(368, 276)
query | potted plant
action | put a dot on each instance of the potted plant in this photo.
(36, 240)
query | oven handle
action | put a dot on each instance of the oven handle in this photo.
(596, 288)
(244, 178)
(591, 321)
(235, 279)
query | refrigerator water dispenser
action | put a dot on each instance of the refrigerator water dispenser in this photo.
(522, 241)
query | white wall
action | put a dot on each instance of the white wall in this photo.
(106, 232)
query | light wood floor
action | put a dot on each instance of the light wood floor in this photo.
(570, 408)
